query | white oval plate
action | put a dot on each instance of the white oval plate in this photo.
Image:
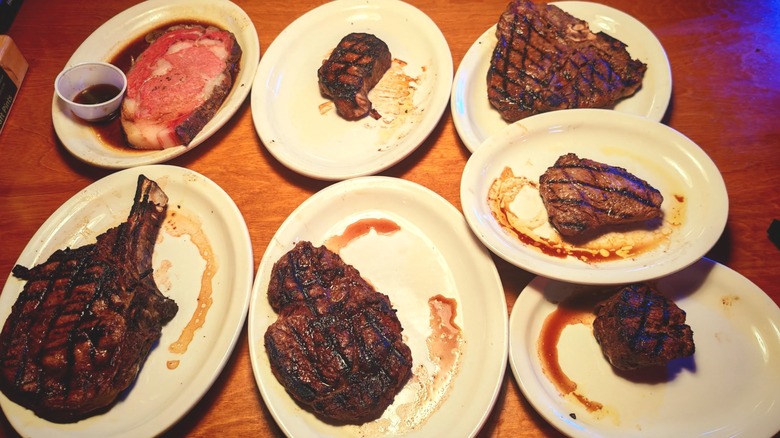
(731, 387)
(111, 37)
(287, 104)
(433, 253)
(476, 120)
(663, 157)
(160, 396)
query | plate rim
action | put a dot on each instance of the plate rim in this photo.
(434, 111)
(343, 188)
(517, 357)
(542, 265)
(240, 295)
(459, 98)
(250, 58)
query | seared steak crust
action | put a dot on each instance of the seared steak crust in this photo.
(354, 67)
(546, 60)
(638, 327)
(336, 346)
(583, 195)
(87, 318)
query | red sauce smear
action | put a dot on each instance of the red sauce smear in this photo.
(361, 228)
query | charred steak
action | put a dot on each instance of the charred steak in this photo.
(336, 346)
(582, 196)
(638, 327)
(177, 85)
(87, 318)
(354, 67)
(546, 60)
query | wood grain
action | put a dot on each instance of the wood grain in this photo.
(724, 54)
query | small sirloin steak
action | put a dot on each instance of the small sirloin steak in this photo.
(336, 346)
(582, 196)
(86, 319)
(638, 327)
(177, 84)
(354, 67)
(546, 60)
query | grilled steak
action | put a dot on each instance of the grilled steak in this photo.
(582, 196)
(336, 346)
(354, 67)
(638, 327)
(546, 60)
(87, 318)
(177, 85)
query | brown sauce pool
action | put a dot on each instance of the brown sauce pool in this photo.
(577, 309)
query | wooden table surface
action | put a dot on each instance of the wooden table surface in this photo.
(724, 55)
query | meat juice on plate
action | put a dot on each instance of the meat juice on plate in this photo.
(183, 228)
(576, 310)
(434, 375)
(515, 203)
(394, 99)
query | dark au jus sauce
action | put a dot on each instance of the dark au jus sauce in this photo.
(96, 94)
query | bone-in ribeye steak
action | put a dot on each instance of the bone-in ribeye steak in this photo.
(336, 346)
(546, 60)
(177, 85)
(87, 318)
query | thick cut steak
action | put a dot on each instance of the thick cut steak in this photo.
(582, 196)
(177, 85)
(639, 327)
(354, 67)
(86, 319)
(546, 60)
(336, 346)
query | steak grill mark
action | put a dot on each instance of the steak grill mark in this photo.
(336, 346)
(545, 59)
(86, 318)
(589, 72)
(633, 193)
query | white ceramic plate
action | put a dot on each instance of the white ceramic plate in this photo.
(663, 157)
(433, 253)
(731, 387)
(300, 127)
(476, 120)
(111, 37)
(160, 396)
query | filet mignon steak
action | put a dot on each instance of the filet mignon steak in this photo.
(583, 196)
(336, 346)
(546, 59)
(177, 85)
(639, 327)
(87, 318)
(354, 67)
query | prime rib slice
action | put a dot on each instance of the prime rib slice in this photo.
(639, 327)
(546, 59)
(583, 196)
(177, 85)
(336, 346)
(354, 67)
(86, 319)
